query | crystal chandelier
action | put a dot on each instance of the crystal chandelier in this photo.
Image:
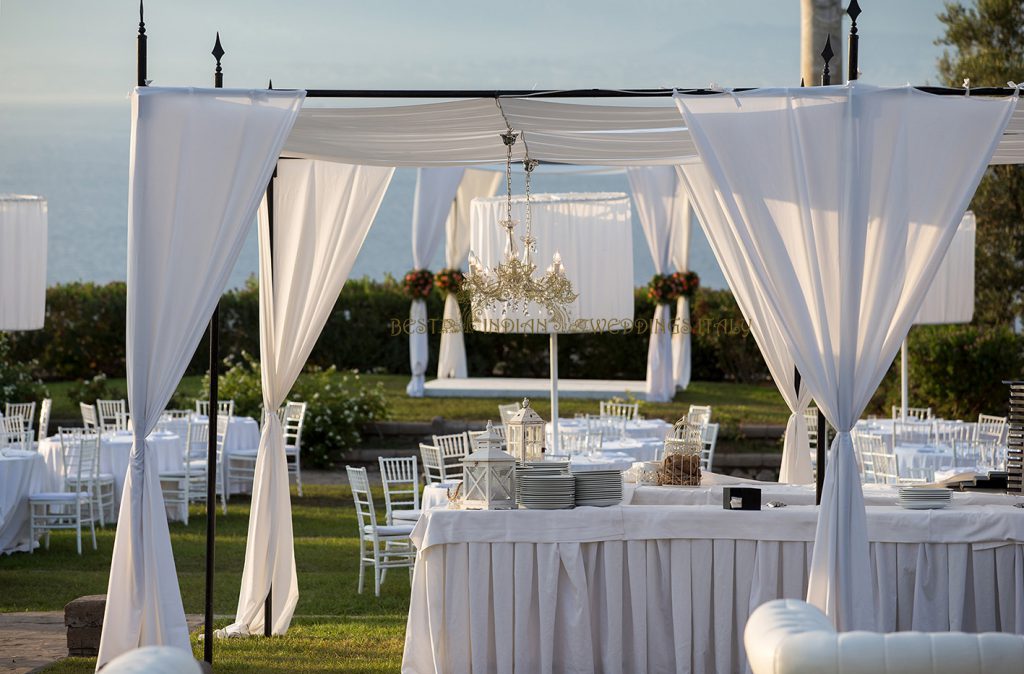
(514, 283)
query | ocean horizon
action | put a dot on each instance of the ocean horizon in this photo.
(77, 158)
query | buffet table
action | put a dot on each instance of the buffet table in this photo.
(662, 588)
(21, 473)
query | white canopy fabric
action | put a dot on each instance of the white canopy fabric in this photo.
(654, 192)
(592, 232)
(681, 343)
(796, 454)
(435, 190)
(200, 159)
(950, 297)
(466, 133)
(451, 356)
(22, 262)
(843, 201)
(322, 212)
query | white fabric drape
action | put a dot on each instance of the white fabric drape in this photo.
(950, 297)
(843, 203)
(451, 356)
(322, 212)
(435, 190)
(654, 191)
(681, 342)
(796, 454)
(22, 262)
(199, 161)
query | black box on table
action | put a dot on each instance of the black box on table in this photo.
(749, 498)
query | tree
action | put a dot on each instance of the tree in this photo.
(987, 45)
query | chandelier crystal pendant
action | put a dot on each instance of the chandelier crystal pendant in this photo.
(514, 284)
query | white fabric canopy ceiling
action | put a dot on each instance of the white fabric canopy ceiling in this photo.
(465, 132)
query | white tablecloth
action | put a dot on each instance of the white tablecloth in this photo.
(21, 473)
(644, 439)
(669, 589)
(243, 435)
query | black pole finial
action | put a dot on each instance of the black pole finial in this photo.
(141, 57)
(218, 53)
(853, 11)
(270, 84)
(802, 82)
(827, 54)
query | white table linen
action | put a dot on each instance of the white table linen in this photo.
(22, 473)
(637, 429)
(653, 588)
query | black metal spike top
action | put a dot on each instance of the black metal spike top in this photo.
(827, 54)
(142, 19)
(853, 11)
(218, 53)
(270, 84)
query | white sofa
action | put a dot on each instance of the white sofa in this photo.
(788, 636)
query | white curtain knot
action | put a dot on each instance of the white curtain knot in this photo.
(967, 85)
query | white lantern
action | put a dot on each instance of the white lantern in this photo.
(525, 432)
(489, 475)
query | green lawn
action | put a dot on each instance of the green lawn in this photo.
(359, 632)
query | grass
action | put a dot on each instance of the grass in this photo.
(335, 630)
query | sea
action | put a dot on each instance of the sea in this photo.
(77, 158)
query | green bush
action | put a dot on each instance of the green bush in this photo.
(17, 383)
(338, 405)
(90, 390)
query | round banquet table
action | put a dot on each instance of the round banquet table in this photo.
(22, 473)
(243, 435)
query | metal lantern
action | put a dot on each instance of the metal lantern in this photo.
(488, 481)
(525, 431)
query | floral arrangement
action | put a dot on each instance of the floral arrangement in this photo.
(418, 283)
(688, 281)
(666, 288)
(449, 280)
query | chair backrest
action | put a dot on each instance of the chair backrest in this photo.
(700, 414)
(811, 418)
(359, 481)
(80, 449)
(113, 414)
(951, 433)
(454, 447)
(433, 464)
(506, 412)
(44, 418)
(918, 413)
(178, 414)
(27, 412)
(90, 419)
(12, 431)
(911, 433)
(223, 426)
(226, 407)
(612, 408)
(878, 461)
(609, 427)
(707, 454)
(991, 428)
(401, 479)
(197, 440)
(293, 417)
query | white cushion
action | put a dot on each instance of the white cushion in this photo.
(393, 530)
(406, 515)
(788, 636)
(243, 453)
(60, 496)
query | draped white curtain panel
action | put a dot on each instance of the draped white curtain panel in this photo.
(200, 160)
(950, 297)
(654, 192)
(22, 262)
(843, 203)
(680, 258)
(322, 212)
(466, 133)
(435, 191)
(796, 454)
(451, 356)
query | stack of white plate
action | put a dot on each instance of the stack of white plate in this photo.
(598, 488)
(539, 468)
(924, 498)
(546, 492)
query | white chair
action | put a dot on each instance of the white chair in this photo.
(74, 507)
(113, 415)
(401, 489)
(454, 448)
(225, 407)
(914, 413)
(385, 547)
(506, 412)
(952, 433)
(100, 485)
(27, 412)
(580, 441)
(608, 427)
(234, 466)
(789, 636)
(811, 418)
(612, 408)
(990, 428)
(709, 437)
(90, 419)
(700, 414)
(434, 468)
(498, 430)
(293, 417)
(911, 433)
(878, 461)
(187, 484)
(44, 419)
(13, 433)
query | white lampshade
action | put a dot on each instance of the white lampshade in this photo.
(22, 262)
(591, 232)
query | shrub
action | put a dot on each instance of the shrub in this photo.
(90, 390)
(17, 384)
(338, 405)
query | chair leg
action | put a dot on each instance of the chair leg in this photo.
(298, 475)
(31, 529)
(78, 529)
(362, 569)
(98, 500)
(92, 528)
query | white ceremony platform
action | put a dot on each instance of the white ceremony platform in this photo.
(520, 387)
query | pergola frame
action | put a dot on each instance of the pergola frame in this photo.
(853, 11)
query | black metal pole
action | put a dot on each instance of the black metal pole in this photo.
(851, 65)
(142, 61)
(211, 445)
(268, 606)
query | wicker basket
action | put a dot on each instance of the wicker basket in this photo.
(680, 464)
